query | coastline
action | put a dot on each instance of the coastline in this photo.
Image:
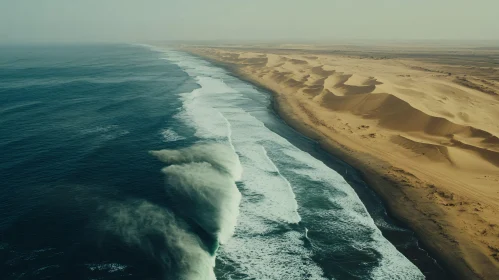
(401, 201)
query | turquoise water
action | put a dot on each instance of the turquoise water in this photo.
(132, 162)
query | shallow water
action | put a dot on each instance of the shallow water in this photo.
(84, 198)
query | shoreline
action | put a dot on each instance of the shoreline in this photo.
(372, 178)
(384, 188)
(398, 203)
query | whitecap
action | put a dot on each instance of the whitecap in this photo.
(108, 267)
(169, 135)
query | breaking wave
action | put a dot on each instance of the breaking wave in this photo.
(203, 176)
(203, 202)
(219, 156)
(160, 235)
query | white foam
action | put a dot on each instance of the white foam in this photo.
(265, 246)
(169, 135)
(209, 123)
(229, 132)
(355, 215)
(109, 267)
(217, 155)
(289, 189)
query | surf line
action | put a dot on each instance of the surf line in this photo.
(285, 180)
(229, 131)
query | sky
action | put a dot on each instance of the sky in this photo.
(236, 20)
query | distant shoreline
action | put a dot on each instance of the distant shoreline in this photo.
(400, 204)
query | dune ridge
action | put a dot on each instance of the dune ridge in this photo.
(362, 96)
(428, 141)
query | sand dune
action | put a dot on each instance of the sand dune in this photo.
(434, 152)
(408, 122)
(381, 99)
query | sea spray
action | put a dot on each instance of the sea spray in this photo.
(203, 177)
(218, 155)
(212, 196)
(201, 213)
(160, 235)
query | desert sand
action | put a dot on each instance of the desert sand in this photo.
(420, 123)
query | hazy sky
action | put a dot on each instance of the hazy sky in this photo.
(146, 20)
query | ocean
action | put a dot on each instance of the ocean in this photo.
(137, 162)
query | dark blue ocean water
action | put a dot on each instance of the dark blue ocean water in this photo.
(81, 197)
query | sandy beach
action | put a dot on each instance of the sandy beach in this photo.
(420, 123)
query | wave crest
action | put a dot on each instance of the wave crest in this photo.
(219, 156)
(212, 196)
(202, 212)
(203, 177)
